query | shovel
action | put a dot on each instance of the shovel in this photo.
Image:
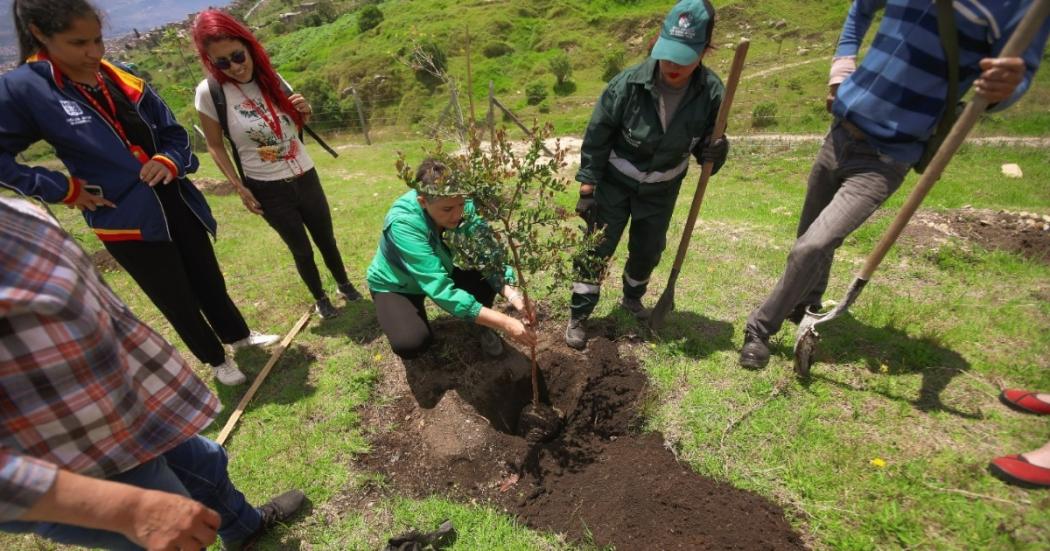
(666, 302)
(807, 337)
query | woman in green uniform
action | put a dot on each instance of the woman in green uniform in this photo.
(414, 261)
(648, 121)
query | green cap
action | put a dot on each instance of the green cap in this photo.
(686, 32)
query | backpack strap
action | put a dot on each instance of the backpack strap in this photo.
(218, 98)
(950, 43)
(287, 91)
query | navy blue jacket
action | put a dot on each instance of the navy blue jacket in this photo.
(38, 103)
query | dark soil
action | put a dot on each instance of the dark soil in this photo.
(211, 186)
(104, 262)
(1020, 233)
(600, 480)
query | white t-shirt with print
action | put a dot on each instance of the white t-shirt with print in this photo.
(263, 156)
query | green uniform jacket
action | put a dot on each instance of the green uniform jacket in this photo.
(626, 125)
(413, 259)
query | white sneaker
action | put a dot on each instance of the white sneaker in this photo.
(255, 338)
(228, 373)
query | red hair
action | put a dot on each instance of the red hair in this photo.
(215, 25)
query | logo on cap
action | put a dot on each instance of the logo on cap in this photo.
(684, 29)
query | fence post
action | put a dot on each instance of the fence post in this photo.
(492, 115)
(470, 85)
(454, 102)
(519, 123)
(361, 115)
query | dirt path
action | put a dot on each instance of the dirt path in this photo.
(779, 68)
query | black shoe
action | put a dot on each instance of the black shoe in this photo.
(799, 312)
(277, 510)
(755, 352)
(349, 293)
(576, 334)
(635, 307)
(491, 343)
(325, 309)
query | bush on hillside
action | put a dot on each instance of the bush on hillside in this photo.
(764, 114)
(328, 112)
(370, 18)
(561, 67)
(497, 49)
(429, 64)
(535, 93)
(613, 63)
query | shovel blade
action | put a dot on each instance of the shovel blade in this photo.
(805, 346)
(663, 307)
(807, 337)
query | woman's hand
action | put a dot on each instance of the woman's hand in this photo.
(250, 202)
(517, 300)
(91, 202)
(520, 333)
(301, 105)
(154, 172)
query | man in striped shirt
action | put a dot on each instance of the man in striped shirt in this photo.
(885, 112)
(99, 415)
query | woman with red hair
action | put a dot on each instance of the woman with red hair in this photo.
(274, 174)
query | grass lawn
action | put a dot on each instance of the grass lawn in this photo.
(885, 447)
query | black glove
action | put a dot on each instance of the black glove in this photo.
(587, 208)
(714, 150)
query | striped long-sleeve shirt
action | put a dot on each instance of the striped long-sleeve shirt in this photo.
(84, 385)
(897, 94)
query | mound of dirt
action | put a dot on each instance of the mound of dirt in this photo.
(600, 480)
(211, 186)
(1023, 233)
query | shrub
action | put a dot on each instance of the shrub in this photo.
(764, 114)
(429, 63)
(545, 107)
(613, 63)
(370, 17)
(535, 93)
(496, 49)
(561, 67)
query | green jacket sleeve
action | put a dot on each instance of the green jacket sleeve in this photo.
(601, 132)
(424, 265)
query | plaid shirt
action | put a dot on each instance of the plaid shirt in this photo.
(84, 385)
(897, 94)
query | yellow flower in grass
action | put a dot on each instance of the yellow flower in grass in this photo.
(878, 463)
(883, 368)
(377, 357)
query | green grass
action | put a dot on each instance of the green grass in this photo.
(910, 378)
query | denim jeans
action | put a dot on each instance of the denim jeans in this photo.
(848, 182)
(196, 468)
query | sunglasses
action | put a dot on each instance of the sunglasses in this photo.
(224, 63)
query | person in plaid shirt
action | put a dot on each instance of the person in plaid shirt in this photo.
(99, 415)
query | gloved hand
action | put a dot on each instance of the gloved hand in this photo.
(587, 208)
(714, 150)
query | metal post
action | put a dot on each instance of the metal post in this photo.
(454, 102)
(492, 115)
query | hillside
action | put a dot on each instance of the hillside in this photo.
(318, 46)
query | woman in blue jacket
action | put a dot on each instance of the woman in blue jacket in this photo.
(127, 160)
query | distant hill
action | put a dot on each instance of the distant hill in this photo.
(121, 17)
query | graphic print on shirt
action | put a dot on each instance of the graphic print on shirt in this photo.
(269, 147)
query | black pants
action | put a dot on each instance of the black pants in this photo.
(292, 207)
(184, 281)
(403, 318)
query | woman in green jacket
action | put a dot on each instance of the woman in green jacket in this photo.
(414, 261)
(635, 153)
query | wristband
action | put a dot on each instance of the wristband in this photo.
(514, 296)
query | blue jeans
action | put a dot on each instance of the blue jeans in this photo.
(195, 468)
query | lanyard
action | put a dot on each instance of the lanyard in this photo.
(275, 124)
(110, 115)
